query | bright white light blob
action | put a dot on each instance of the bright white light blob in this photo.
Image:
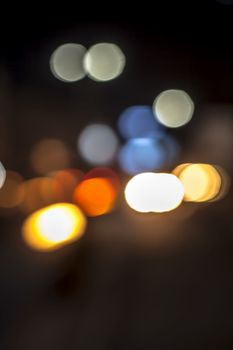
(98, 144)
(104, 62)
(139, 121)
(173, 108)
(66, 62)
(154, 192)
(53, 226)
(2, 175)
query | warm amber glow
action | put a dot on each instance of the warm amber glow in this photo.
(104, 173)
(49, 155)
(151, 192)
(11, 194)
(202, 182)
(39, 192)
(95, 196)
(65, 182)
(54, 226)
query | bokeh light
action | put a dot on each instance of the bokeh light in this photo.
(148, 154)
(202, 182)
(104, 62)
(10, 194)
(49, 155)
(173, 108)
(138, 122)
(66, 62)
(105, 173)
(154, 192)
(95, 196)
(52, 227)
(65, 181)
(98, 144)
(142, 154)
(39, 192)
(225, 183)
(2, 175)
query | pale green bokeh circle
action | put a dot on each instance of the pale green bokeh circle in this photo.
(104, 62)
(66, 62)
(173, 108)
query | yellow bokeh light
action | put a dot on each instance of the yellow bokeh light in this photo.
(202, 182)
(154, 192)
(53, 226)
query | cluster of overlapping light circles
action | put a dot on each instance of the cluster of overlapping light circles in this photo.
(2, 175)
(102, 62)
(54, 226)
(148, 147)
(173, 108)
(202, 182)
(64, 183)
(98, 144)
(97, 193)
(154, 192)
(38, 192)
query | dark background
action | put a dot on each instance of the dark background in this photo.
(119, 287)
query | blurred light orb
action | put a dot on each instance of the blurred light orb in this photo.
(49, 155)
(225, 183)
(65, 181)
(106, 173)
(54, 226)
(10, 194)
(2, 175)
(98, 144)
(137, 122)
(39, 192)
(154, 192)
(104, 61)
(173, 108)
(66, 62)
(142, 154)
(202, 182)
(95, 196)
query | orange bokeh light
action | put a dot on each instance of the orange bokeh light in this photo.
(95, 196)
(67, 180)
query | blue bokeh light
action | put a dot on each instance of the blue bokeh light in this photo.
(139, 122)
(148, 154)
(141, 154)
